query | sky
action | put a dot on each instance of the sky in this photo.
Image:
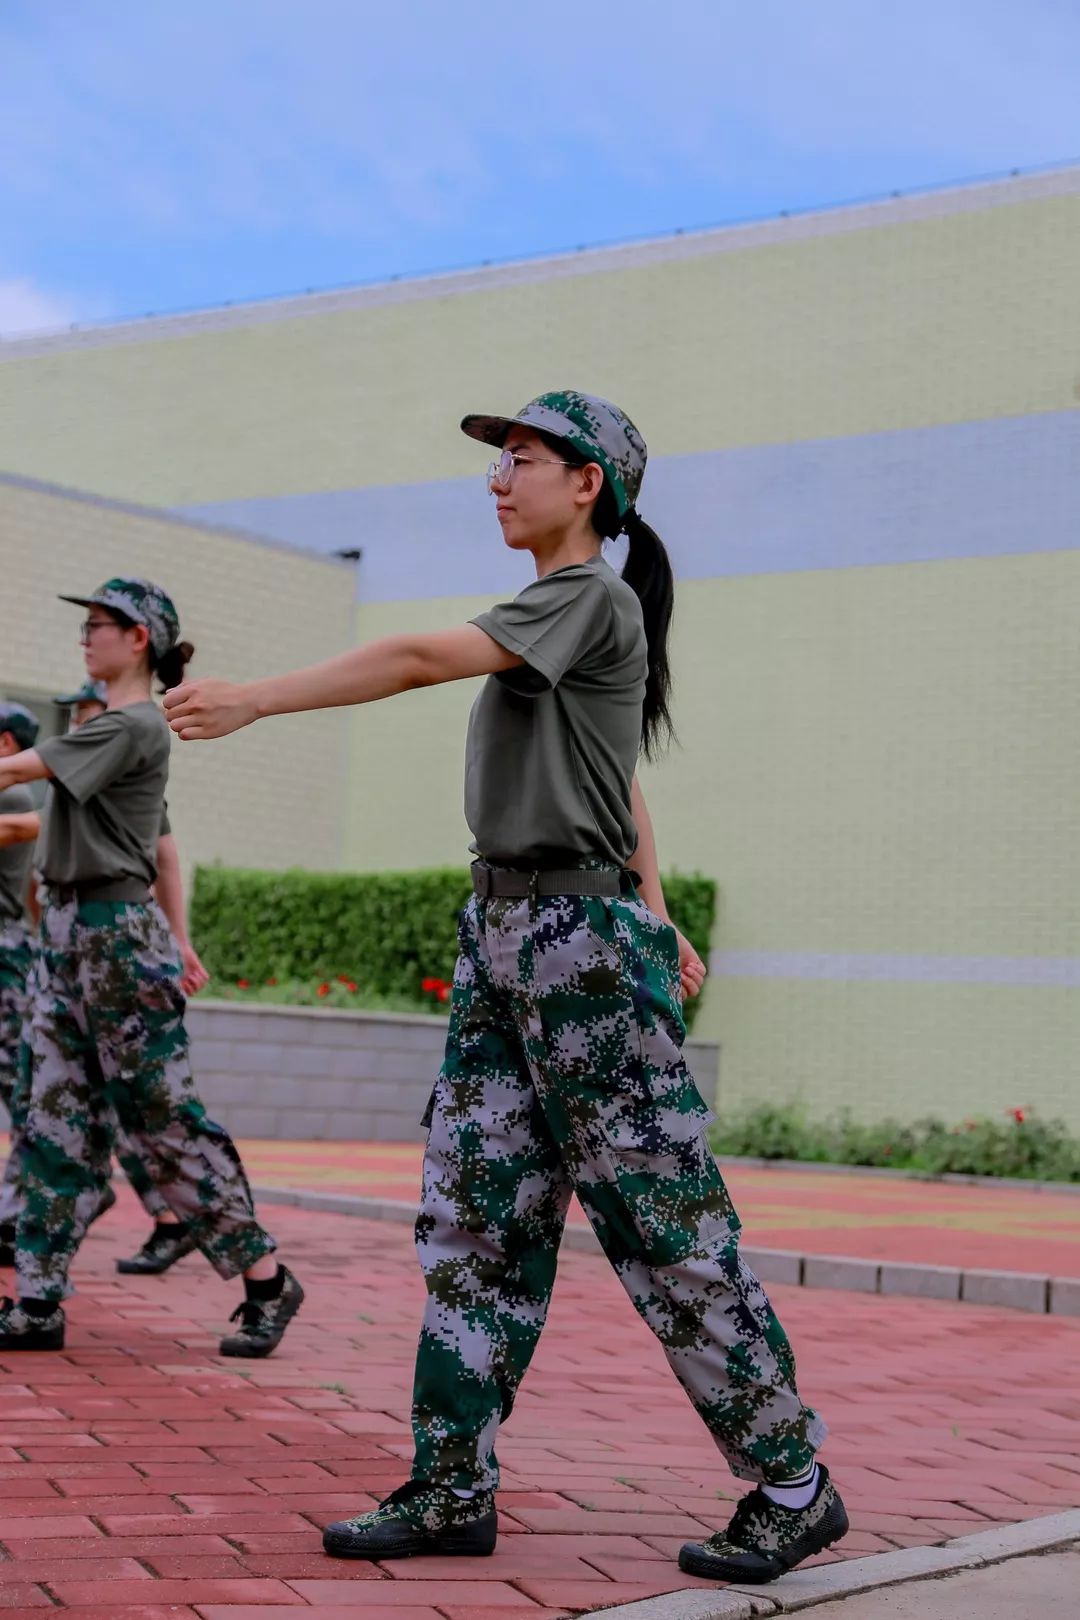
(158, 157)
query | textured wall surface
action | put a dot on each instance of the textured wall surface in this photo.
(269, 796)
(865, 446)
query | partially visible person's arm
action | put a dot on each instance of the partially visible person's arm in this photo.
(644, 861)
(25, 767)
(169, 893)
(21, 828)
(201, 709)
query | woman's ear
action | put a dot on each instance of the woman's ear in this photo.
(592, 484)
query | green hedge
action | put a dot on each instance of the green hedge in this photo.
(1019, 1143)
(385, 930)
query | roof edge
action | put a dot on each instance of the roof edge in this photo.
(952, 197)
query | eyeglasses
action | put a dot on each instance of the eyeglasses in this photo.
(88, 626)
(501, 472)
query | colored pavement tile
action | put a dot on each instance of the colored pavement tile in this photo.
(147, 1478)
(865, 1216)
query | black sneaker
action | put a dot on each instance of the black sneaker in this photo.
(263, 1321)
(765, 1540)
(418, 1518)
(162, 1249)
(19, 1331)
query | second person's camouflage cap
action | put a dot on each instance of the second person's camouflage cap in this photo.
(141, 601)
(89, 692)
(595, 427)
(22, 725)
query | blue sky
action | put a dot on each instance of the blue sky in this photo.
(156, 157)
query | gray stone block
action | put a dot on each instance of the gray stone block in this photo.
(261, 1057)
(775, 1265)
(394, 1128)
(1065, 1296)
(207, 1052)
(1013, 1540)
(353, 1062)
(687, 1605)
(1019, 1290)
(804, 1588)
(244, 1120)
(840, 1271)
(217, 1088)
(920, 1282)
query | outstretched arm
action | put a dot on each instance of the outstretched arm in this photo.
(201, 709)
(644, 861)
(25, 767)
(21, 828)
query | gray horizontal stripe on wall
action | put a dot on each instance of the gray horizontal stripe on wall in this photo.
(974, 489)
(1054, 972)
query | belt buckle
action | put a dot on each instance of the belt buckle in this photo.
(482, 877)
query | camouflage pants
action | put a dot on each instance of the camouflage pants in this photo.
(107, 1042)
(15, 958)
(564, 1073)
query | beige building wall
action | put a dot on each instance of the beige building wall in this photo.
(272, 796)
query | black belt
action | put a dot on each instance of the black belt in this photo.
(507, 883)
(132, 890)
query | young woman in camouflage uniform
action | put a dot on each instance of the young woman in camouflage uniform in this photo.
(19, 824)
(170, 1239)
(564, 1070)
(106, 1017)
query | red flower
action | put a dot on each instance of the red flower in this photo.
(243, 984)
(323, 990)
(1018, 1114)
(429, 986)
(443, 992)
(350, 984)
(271, 981)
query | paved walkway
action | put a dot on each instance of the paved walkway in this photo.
(870, 1217)
(142, 1477)
(1042, 1588)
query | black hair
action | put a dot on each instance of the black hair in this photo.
(647, 570)
(167, 666)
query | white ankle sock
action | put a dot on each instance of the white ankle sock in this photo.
(795, 1493)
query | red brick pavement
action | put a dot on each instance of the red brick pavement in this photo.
(144, 1478)
(871, 1217)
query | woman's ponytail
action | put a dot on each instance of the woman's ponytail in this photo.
(647, 571)
(169, 668)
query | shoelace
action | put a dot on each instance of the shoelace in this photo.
(750, 1516)
(249, 1313)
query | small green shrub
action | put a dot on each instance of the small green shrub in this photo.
(1020, 1144)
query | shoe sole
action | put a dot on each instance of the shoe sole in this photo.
(131, 1268)
(44, 1339)
(427, 1546)
(262, 1352)
(695, 1560)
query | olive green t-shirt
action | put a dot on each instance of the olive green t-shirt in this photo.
(553, 744)
(15, 859)
(107, 806)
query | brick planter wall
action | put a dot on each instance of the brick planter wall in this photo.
(304, 1074)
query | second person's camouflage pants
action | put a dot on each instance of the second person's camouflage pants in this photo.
(564, 1073)
(106, 1038)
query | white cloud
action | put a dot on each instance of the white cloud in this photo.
(26, 308)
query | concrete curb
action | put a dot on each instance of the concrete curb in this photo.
(804, 1589)
(1018, 1290)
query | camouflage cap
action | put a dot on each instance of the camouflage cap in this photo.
(595, 427)
(23, 725)
(142, 602)
(89, 692)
